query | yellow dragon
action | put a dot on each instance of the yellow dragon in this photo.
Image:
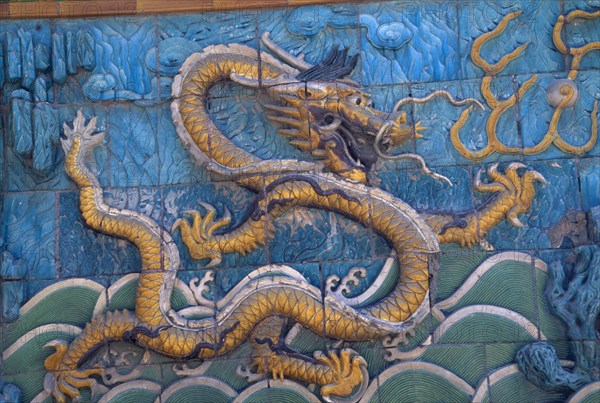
(330, 117)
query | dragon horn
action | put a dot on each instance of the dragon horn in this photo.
(255, 83)
(293, 61)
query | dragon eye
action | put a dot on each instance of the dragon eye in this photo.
(357, 100)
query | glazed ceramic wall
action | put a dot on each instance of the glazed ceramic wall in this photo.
(511, 316)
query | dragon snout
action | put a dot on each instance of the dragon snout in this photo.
(397, 132)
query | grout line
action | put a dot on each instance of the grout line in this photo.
(57, 260)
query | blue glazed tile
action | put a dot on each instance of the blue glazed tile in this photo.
(242, 119)
(437, 116)
(226, 279)
(313, 31)
(144, 200)
(310, 235)
(312, 272)
(534, 25)
(589, 180)
(221, 195)
(203, 30)
(474, 134)
(587, 5)
(85, 252)
(408, 41)
(21, 126)
(12, 293)
(505, 237)
(29, 231)
(113, 51)
(134, 158)
(424, 193)
(575, 124)
(182, 35)
(10, 89)
(177, 165)
(546, 208)
(581, 32)
(38, 28)
(2, 67)
(384, 97)
(22, 176)
(14, 61)
(3, 125)
(71, 90)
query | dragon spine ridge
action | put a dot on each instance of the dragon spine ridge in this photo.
(258, 312)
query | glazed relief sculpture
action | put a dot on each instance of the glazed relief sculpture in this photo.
(329, 117)
(562, 94)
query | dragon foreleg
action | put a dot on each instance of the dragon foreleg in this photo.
(513, 194)
(66, 360)
(149, 327)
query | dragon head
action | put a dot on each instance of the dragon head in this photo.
(330, 116)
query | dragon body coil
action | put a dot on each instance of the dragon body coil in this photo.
(331, 119)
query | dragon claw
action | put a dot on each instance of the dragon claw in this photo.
(66, 382)
(85, 133)
(516, 165)
(198, 235)
(348, 370)
(191, 213)
(513, 192)
(213, 262)
(539, 177)
(516, 222)
(516, 189)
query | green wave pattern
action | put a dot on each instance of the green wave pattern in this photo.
(477, 342)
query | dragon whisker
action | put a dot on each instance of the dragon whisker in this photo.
(331, 126)
(292, 112)
(286, 121)
(382, 130)
(435, 94)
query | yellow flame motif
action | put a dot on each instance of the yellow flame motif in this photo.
(566, 94)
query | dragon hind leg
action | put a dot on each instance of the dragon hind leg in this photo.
(339, 374)
(65, 362)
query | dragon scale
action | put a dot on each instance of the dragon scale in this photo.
(320, 123)
(412, 239)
